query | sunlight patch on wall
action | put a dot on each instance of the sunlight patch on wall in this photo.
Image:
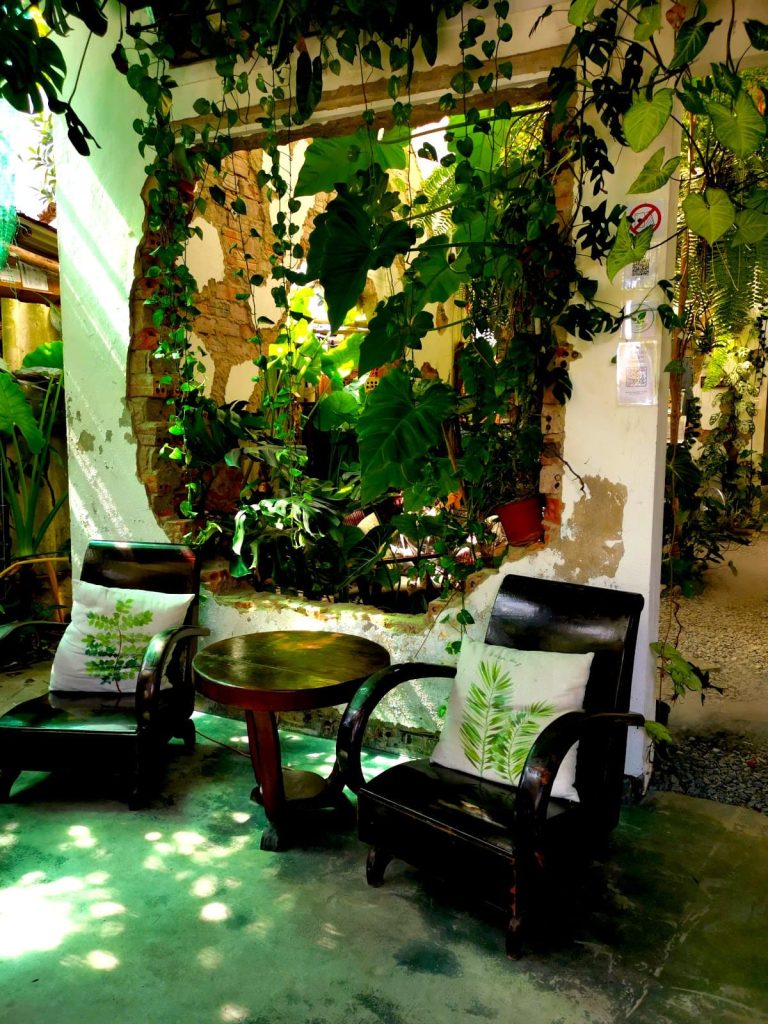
(100, 497)
(240, 381)
(204, 256)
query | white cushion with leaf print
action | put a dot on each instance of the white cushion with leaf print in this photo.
(103, 647)
(501, 700)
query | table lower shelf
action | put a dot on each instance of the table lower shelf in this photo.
(304, 792)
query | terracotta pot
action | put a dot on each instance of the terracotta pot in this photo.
(521, 520)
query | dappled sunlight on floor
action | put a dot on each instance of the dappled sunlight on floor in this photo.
(175, 913)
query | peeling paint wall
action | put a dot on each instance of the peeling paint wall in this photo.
(593, 547)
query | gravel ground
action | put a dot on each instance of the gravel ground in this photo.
(722, 746)
(722, 766)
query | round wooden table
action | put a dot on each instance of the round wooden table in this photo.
(286, 670)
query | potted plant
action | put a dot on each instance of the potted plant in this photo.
(502, 378)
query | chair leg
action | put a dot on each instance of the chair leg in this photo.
(186, 733)
(376, 865)
(8, 775)
(145, 775)
(517, 900)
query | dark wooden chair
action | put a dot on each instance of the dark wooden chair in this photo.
(109, 733)
(518, 849)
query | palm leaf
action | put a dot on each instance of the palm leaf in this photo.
(513, 744)
(484, 715)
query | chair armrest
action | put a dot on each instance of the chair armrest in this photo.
(546, 756)
(355, 718)
(43, 630)
(159, 651)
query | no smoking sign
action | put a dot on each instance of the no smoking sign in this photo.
(644, 215)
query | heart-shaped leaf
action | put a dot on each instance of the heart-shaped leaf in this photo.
(648, 22)
(751, 226)
(627, 248)
(758, 33)
(328, 162)
(336, 410)
(655, 173)
(710, 215)
(16, 413)
(397, 430)
(645, 119)
(691, 40)
(740, 128)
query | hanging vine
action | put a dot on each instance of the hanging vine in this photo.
(509, 261)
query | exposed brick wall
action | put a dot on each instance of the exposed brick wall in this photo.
(227, 331)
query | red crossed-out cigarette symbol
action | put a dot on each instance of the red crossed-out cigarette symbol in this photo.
(644, 215)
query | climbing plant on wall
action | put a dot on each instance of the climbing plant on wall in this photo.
(614, 86)
(624, 75)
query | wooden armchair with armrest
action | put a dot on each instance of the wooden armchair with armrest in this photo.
(106, 732)
(507, 844)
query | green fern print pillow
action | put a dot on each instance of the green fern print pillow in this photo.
(103, 647)
(501, 700)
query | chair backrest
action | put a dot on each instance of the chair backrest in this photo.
(165, 568)
(548, 615)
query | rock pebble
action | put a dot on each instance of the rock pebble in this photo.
(721, 766)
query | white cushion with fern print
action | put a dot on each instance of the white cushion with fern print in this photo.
(501, 700)
(103, 646)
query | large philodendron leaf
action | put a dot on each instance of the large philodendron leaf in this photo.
(645, 119)
(757, 32)
(740, 128)
(751, 227)
(655, 173)
(398, 428)
(627, 248)
(436, 279)
(710, 215)
(330, 162)
(648, 22)
(344, 245)
(50, 355)
(337, 410)
(16, 414)
(691, 40)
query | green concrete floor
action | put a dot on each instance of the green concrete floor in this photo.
(173, 914)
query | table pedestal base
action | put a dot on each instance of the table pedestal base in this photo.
(305, 793)
(287, 795)
(271, 671)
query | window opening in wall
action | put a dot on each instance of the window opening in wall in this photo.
(362, 444)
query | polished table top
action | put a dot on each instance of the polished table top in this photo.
(287, 670)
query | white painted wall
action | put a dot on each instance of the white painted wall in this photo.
(100, 214)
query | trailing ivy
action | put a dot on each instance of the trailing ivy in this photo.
(486, 238)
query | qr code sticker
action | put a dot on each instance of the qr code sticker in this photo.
(637, 376)
(641, 268)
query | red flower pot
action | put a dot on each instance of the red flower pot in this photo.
(521, 520)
